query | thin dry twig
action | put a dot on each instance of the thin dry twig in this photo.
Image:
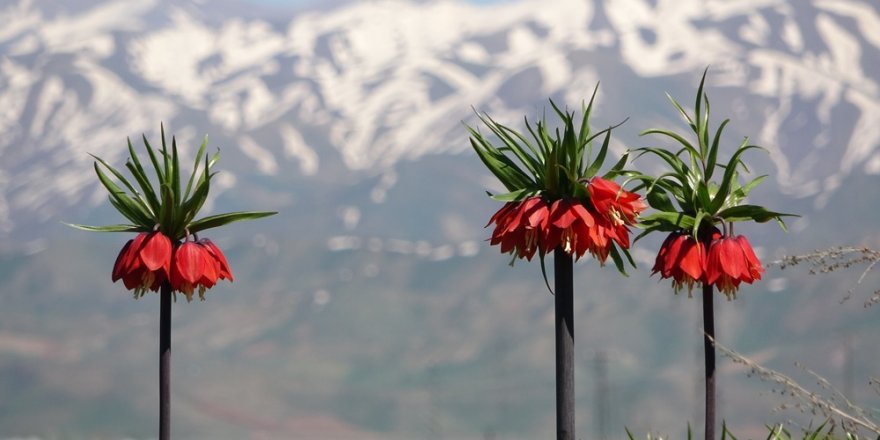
(832, 259)
(836, 408)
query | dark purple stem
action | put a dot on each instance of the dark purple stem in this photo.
(165, 362)
(709, 354)
(564, 299)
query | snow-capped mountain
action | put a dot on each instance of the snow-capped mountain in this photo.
(369, 307)
(368, 84)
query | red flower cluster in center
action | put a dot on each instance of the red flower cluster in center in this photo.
(150, 259)
(724, 262)
(531, 225)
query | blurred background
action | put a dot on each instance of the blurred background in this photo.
(371, 307)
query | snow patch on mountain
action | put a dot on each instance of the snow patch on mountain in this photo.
(391, 80)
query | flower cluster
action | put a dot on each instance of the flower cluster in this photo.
(696, 251)
(150, 259)
(525, 227)
(723, 262)
(164, 216)
(556, 198)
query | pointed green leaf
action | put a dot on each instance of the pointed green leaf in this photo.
(600, 157)
(514, 195)
(192, 206)
(676, 219)
(175, 170)
(108, 228)
(503, 168)
(159, 170)
(678, 138)
(618, 260)
(113, 187)
(751, 213)
(713, 150)
(729, 171)
(196, 164)
(585, 121)
(224, 219)
(748, 187)
(617, 169)
(166, 159)
(133, 205)
(137, 170)
(699, 98)
(508, 141)
(544, 272)
(680, 110)
(166, 214)
(129, 209)
(659, 200)
(674, 161)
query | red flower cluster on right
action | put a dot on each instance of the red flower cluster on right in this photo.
(722, 261)
(150, 259)
(525, 227)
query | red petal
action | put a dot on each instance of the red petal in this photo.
(501, 213)
(584, 214)
(713, 263)
(123, 261)
(603, 187)
(731, 256)
(211, 272)
(562, 214)
(690, 260)
(189, 263)
(223, 266)
(156, 251)
(672, 256)
(662, 254)
(538, 213)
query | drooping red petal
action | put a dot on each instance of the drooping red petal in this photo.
(156, 251)
(755, 268)
(210, 273)
(189, 263)
(223, 266)
(662, 255)
(562, 214)
(690, 259)
(673, 253)
(501, 213)
(731, 257)
(123, 261)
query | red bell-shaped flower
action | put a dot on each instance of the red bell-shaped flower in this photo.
(572, 226)
(617, 209)
(144, 262)
(731, 261)
(223, 271)
(608, 198)
(518, 226)
(683, 258)
(197, 265)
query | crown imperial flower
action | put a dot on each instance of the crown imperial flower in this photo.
(555, 198)
(164, 216)
(143, 263)
(730, 262)
(688, 201)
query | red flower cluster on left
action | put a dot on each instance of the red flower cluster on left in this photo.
(531, 225)
(151, 259)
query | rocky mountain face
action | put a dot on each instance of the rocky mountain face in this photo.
(371, 307)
